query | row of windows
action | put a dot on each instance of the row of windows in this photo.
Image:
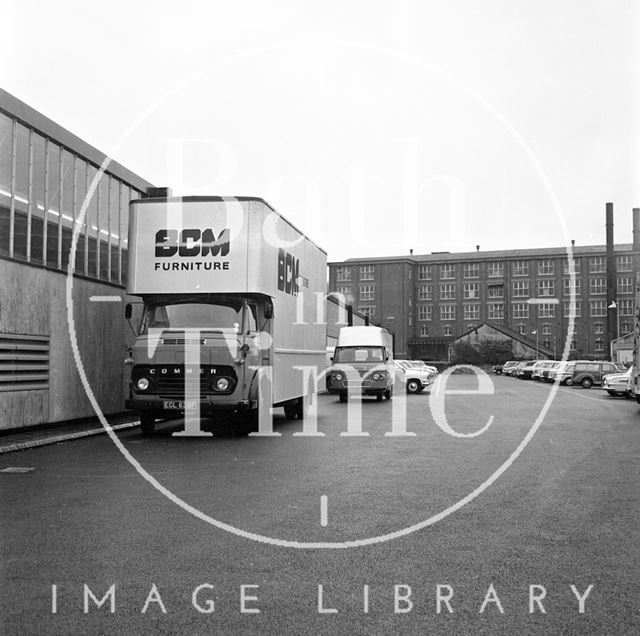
(495, 311)
(44, 191)
(520, 289)
(496, 269)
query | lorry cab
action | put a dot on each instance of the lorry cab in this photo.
(362, 363)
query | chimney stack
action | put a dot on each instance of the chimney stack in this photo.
(477, 248)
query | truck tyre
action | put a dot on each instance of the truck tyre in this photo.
(291, 410)
(147, 423)
(586, 383)
(413, 386)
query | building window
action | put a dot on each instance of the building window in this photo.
(424, 272)
(577, 309)
(520, 268)
(546, 330)
(522, 329)
(424, 331)
(545, 267)
(546, 310)
(599, 345)
(471, 311)
(566, 286)
(447, 312)
(520, 310)
(368, 310)
(495, 291)
(597, 308)
(343, 274)
(573, 345)
(625, 285)
(520, 288)
(566, 266)
(625, 307)
(367, 292)
(495, 311)
(472, 270)
(625, 327)
(598, 286)
(425, 292)
(623, 263)
(546, 288)
(546, 343)
(471, 290)
(346, 292)
(447, 291)
(597, 265)
(495, 270)
(447, 271)
(598, 327)
(367, 272)
(425, 312)
(448, 331)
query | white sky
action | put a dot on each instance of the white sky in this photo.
(375, 127)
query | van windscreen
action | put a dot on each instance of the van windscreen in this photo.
(359, 354)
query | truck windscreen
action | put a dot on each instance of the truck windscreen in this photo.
(359, 354)
(215, 316)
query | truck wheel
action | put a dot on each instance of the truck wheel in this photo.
(291, 410)
(413, 386)
(147, 423)
(586, 383)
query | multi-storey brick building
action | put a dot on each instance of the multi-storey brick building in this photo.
(428, 301)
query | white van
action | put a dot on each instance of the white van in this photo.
(362, 363)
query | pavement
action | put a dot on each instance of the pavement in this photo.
(23, 439)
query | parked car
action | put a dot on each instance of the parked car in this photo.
(547, 373)
(421, 364)
(590, 372)
(563, 373)
(525, 371)
(617, 384)
(415, 379)
(513, 369)
(541, 369)
(499, 369)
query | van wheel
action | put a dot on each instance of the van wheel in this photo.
(147, 423)
(586, 383)
(413, 386)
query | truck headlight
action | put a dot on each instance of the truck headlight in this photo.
(222, 384)
(142, 384)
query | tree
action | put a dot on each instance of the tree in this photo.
(465, 353)
(495, 351)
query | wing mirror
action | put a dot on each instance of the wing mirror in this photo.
(268, 310)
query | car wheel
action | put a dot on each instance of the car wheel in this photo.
(586, 383)
(387, 394)
(568, 382)
(413, 386)
(343, 397)
(291, 410)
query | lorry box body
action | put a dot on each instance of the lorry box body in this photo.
(362, 363)
(231, 282)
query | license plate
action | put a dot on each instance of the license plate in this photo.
(179, 405)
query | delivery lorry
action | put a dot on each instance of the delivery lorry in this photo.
(362, 363)
(230, 293)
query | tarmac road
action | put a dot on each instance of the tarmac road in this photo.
(556, 530)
